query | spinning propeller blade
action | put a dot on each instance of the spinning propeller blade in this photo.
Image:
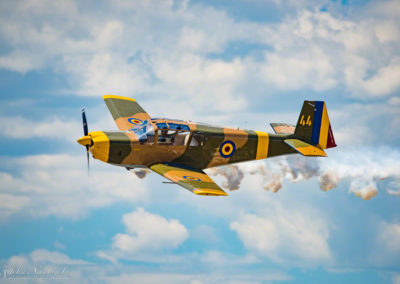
(84, 121)
(85, 132)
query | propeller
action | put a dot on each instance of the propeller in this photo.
(85, 132)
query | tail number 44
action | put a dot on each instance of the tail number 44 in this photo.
(305, 122)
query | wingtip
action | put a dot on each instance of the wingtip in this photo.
(209, 191)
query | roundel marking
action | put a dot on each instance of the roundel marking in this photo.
(135, 121)
(227, 149)
(191, 178)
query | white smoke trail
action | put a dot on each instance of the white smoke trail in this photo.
(232, 174)
(328, 180)
(364, 188)
(363, 168)
(393, 187)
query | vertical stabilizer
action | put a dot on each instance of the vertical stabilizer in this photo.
(313, 125)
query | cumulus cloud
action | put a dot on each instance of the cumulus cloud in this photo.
(127, 51)
(149, 232)
(285, 236)
(386, 249)
(21, 128)
(318, 50)
(389, 237)
(80, 271)
(54, 257)
(41, 259)
(42, 185)
(198, 278)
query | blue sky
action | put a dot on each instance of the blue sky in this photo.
(245, 64)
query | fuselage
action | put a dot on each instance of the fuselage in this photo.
(195, 145)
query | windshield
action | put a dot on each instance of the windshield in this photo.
(143, 131)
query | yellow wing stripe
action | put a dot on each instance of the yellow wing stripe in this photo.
(262, 145)
(323, 134)
(118, 97)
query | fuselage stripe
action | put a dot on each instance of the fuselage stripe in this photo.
(262, 145)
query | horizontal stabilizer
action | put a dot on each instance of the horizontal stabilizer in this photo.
(283, 128)
(305, 149)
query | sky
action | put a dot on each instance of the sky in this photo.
(243, 63)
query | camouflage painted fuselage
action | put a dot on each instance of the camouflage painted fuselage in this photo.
(218, 146)
(180, 150)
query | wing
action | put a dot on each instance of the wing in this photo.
(126, 112)
(196, 181)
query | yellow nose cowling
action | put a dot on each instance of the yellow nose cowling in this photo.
(101, 145)
(85, 140)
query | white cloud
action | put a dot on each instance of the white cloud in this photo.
(20, 62)
(309, 68)
(389, 237)
(9, 203)
(149, 232)
(286, 236)
(396, 279)
(80, 271)
(353, 124)
(387, 8)
(55, 128)
(153, 278)
(386, 248)
(212, 278)
(54, 257)
(50, 265)
(42, 257)
(45, 185)
(130, 53)
(318, 49)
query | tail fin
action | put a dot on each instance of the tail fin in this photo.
(313, 125)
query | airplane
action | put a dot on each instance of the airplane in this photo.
(180, 150)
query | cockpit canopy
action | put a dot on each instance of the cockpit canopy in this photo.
(167, 133)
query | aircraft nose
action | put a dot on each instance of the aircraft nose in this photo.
(85, 141)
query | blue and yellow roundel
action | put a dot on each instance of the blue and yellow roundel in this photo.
(191, 178)
(135, 121)
(227, 149)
